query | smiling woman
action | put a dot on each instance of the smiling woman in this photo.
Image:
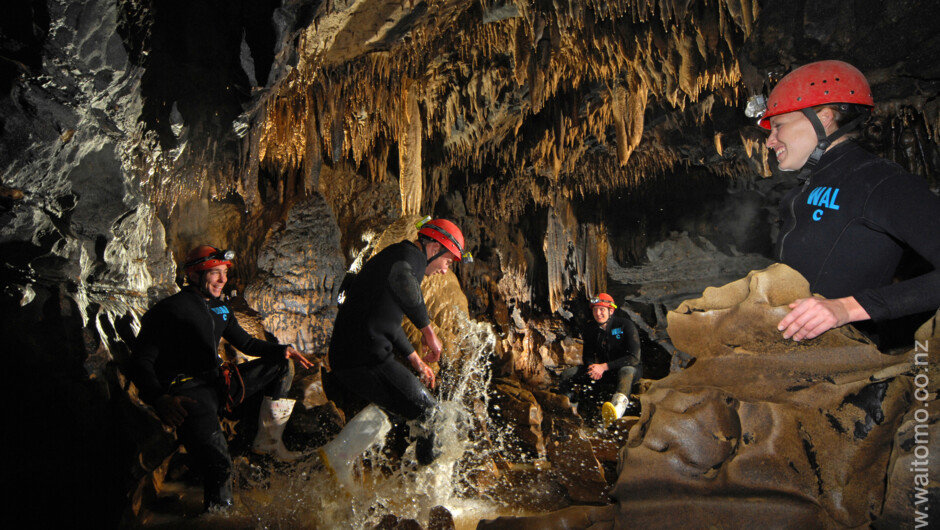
(846, 227)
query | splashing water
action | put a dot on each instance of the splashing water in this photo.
(306, 496)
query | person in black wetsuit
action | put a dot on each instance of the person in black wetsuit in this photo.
(367, 334)
(847, 226)
(611, 358)
(177, 370)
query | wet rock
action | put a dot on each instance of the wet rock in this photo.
(911, 483)
(441, 519)
(311, 427)
(574, 464)
(531, 486)
(805, 428)
(573, 517)
(608, 442)
(392, 522)
(518, 409)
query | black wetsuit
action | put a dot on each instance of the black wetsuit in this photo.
(846, 228)
(618, 345)
(176, 353)
(368, 331)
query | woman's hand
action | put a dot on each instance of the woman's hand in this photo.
(811, 317)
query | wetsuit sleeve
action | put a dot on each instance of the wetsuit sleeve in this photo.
(909, 211)
(146, 350)
(629, 346)
(406, 291)
(244, 342)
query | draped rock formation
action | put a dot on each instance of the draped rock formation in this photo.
(761, 430)
(573, 141)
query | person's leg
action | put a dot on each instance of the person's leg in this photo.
(266, 382)
(626, 377)
(202, 436)
(392, 386)
(269, 375)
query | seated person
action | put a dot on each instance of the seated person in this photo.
(611, 358)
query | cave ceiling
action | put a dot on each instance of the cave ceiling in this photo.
(516, 103)
(511, 105)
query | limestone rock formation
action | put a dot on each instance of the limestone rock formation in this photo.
(568, 139)
(761, 430)
(299, 273)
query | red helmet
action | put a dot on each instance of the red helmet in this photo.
(603, 300)
(205, 257)
(817, 84)
(446, 233)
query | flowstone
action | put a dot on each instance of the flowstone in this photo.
(759, 430)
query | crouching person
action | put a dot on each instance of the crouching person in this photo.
(611, 358)
(177, 370)
(367, 334)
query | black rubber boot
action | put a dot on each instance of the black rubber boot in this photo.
(218, 473)
(425, 450)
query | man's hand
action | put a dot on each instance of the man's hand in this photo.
(425, 374)
(291, 353)
(811, 317)
(172, 409)
(596, 371)
(430, 345)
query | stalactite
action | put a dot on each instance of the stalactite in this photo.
(658, 51)
(409, 152)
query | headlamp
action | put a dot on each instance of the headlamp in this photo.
(596, 301)
(756, 106)
(421, 223)
(219, 255)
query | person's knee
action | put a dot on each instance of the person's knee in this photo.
(627, 371)
(284, 377)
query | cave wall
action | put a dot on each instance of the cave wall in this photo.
(563, 137)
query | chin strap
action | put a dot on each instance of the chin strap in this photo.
(822, 141)
(434, 257)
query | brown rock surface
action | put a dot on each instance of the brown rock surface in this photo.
(758, 430)
(803, 428)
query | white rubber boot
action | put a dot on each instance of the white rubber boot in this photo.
(612, 410)
(366, 429)
(271, 422)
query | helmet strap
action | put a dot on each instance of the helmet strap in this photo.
(823, 142)
(425, 250)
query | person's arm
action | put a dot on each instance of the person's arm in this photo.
(145, 352)
(628, 347)
(432, 345)
(811, 317)
(236, 335)
(406, 291)
(905, 208)
(589, 344)
(425, 374)
(171, 409)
